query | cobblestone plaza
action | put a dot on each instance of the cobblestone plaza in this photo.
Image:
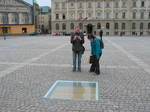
(29, 66)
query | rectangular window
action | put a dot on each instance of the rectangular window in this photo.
(57, 16)
(134, 4)
(80, 15)
(116, 33)
(89, 5)
(71, 5)
(98, 15)
(123, 4)
(107, 33)
(89, 15)
(134, 15)
(98, 5)
(107, 4)
(63, 5)
(63, 16)
(116, 15)
(107, 15)
(123, 15)
(142, 4)
(24, 30)
(5, 30)
(116, 4)
(42, 26)
(123, 25)
(142, 15)
(80, 5)
(57, 5)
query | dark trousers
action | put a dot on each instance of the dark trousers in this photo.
(95, 67)
(101, 37)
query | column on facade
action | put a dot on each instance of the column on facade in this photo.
(10, 18)
(103, 8)
(76, 9)
(84, 5)
(94, 8)
(67, 6)
(112, 10)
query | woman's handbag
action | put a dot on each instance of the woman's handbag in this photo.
(90, 59)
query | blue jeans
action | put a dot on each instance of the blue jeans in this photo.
(75, 54)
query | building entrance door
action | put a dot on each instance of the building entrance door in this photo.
(89, 28)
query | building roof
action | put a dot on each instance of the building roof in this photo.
(34, 1)
(45, 9)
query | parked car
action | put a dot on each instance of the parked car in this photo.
(33, 34)
(68, 33)
(57, 34)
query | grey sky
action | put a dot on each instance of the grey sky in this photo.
(40, 2)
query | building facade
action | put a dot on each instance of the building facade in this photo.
(114, 17)
(45, 19)
(16, 17)
(36, 12)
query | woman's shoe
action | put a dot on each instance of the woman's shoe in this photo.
(91, 71)
(96, 74)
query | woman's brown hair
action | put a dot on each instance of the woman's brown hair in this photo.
(90, 36)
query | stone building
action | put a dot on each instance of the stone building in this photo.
(114, 17)
(36, 12)
(16, 16)
(45, 19)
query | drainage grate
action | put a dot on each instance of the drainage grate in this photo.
(73, 90)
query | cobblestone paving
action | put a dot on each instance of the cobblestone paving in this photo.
(30, 65)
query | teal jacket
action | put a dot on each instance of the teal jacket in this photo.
(95, 47)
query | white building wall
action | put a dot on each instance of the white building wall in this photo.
(72, 16)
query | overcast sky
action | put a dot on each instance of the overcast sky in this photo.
(40, 2)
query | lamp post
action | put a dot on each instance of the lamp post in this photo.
(4, 28)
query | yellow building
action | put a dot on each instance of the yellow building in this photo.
(16, 17)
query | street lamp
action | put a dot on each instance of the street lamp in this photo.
(4, 27)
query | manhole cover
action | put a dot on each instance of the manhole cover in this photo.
(73, 90)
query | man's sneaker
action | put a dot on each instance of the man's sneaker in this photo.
(73, 70)
(79, 70)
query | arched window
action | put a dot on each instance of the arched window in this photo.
(4, 18)
(133, 26)
(63, 26)
(71, 26)
(25, 18)
(81, 25)
(107, 25)
(148, 25)
(141, 25)
(123, 26)
(116, 25)
(57, 26)
(98, 26)
(15, 18)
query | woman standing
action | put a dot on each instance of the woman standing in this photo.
(96, 52)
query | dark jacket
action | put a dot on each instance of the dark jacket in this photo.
(77, 44)
(101, 33)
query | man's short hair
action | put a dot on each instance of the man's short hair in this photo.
(77, 27)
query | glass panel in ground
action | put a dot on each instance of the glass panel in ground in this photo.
(74, 90)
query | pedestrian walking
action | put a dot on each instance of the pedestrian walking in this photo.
(101, 34)
(96, 52)
(77, 40)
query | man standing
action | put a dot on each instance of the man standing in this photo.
(101, 34)
(77, 40)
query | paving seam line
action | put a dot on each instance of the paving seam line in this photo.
(20, 65)
(139, 62)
